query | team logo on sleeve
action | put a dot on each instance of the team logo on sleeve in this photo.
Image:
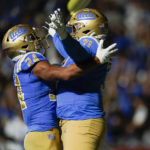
(86, 16)
(20, 31)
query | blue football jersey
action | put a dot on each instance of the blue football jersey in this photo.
(38, 105)
(81, 98)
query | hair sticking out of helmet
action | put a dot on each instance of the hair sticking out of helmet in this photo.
(86, 21)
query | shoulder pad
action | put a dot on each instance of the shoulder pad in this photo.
(90, 44)
(28, 60)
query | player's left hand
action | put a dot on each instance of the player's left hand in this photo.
(104, 54)
(57, 24)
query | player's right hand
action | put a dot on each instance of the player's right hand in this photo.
(104, 54)
(57, 24)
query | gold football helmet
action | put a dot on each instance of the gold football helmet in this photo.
(21, 39)
(86, 21)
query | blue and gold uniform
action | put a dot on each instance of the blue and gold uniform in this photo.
(79, 101)
(38, 105)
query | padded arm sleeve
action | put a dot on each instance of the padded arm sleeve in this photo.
(73, 48)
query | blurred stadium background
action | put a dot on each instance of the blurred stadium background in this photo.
(127, 90)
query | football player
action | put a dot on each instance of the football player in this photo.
(33, 76)
(79, 101)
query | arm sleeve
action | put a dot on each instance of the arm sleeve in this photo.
(71, 47)
(59, 46)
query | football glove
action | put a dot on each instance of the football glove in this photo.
(104, 54)
(57, 25)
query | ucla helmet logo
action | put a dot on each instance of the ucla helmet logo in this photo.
(19, 32)
(85, 16)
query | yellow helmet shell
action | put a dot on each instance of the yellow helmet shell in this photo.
(18, 40)
(86, 21)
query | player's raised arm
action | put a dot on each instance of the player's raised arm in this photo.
(68, 45)
(50, 72)
(71, 46)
